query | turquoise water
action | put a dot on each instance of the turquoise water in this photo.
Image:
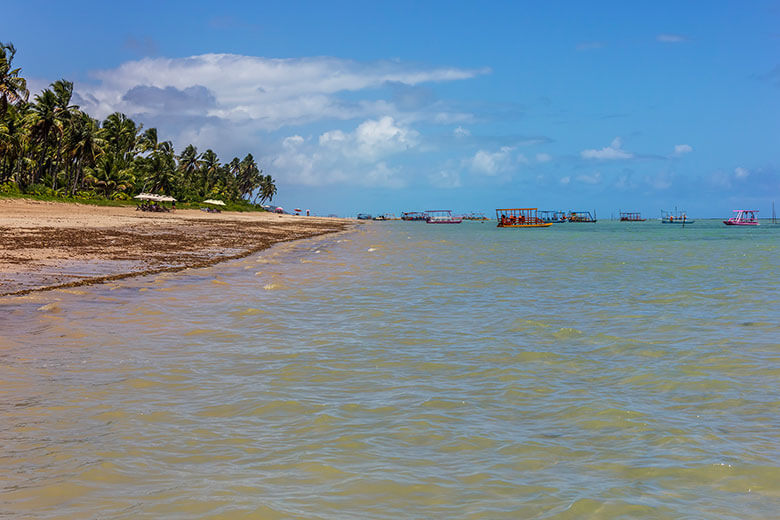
(405, 370)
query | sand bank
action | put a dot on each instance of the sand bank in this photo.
(45, 245)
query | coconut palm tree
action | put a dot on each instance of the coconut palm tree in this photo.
(85, 145)
(45, 130)
(109, 178)
(209, 171)
(267, 189)
(189, 166)
(13, 88)
(121, 135)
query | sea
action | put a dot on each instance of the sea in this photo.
(405, 370)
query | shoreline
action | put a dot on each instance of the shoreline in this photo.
(55, 245)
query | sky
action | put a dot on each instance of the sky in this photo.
(384, 107)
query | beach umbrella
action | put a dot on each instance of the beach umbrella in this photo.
(145, 196)
(214, 201)
(279, 209)
(166, 198)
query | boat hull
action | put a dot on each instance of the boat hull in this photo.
(733, 223)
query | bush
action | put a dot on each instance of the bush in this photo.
(10, 188)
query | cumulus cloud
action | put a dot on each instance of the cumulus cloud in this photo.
(682, 149)
(359, 157)
(492, 163)
(611, 152)
(741, 173)
(543, 158)
(272, 93)
(670, 38)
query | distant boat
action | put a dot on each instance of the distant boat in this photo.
(627, 216)
(675, 217)
(413, 215)
(475, 216)
(743, 217)
(363, 216)
(581, 216)
(441, 216)
(520, 218)
(386, 216)
(552, 217)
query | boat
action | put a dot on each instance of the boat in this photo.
(675, 217)
(386, 216)
(553, 217)
(413, 215)
(441, 216)
(475, 216)
(627, 216)
(743, 217)
(581, 216)
(363, 216)
(520, 218)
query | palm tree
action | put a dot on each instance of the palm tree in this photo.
(65, 114)
(159, 169)
(109, 178)
(45, 129)
(13, 87)
(85, 146)
(267, 189)
(189, 166)
(121, 135)
(209, 171)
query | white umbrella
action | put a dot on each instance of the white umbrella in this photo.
(145, 196)
(166, 198)
(213, 201)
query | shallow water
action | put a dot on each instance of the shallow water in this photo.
(615, 370)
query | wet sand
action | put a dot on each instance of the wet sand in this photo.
(46, 245)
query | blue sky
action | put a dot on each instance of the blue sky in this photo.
(394, 106)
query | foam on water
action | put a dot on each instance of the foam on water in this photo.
(408, 371)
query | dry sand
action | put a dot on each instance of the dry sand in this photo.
(45, 245)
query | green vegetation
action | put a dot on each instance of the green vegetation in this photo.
(51, 150)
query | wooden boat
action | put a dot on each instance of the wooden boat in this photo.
(386, 216)
(475, 216)
(520, 218)
(675, 217)
(413, 215)
(441, 216)
(553, 217)
(627, 216)
(743, 217)
(581, 216)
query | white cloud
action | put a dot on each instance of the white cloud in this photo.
(272, 93)
(590, 179)
(611, 152)
(461, 132)
(358, 157)
(492, 163)
(670, 38)
(741, 173)
(565, 180)
(543, 158)
(682, 149)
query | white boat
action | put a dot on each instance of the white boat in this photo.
(441, 216)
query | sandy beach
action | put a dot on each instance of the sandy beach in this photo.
(45, 245)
